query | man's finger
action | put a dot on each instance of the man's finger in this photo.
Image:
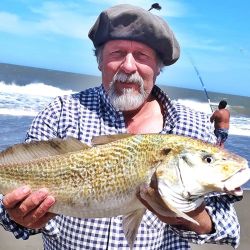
(32, 201)
(42, 221)
(10, 200)
(40, 211)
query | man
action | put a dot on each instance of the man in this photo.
(131, 45)
(221, 118)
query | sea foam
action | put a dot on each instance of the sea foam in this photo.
(29, 99)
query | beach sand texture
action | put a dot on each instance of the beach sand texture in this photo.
(8, 242)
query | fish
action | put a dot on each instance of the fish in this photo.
(104, 179)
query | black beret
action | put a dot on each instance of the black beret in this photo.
(129, 22)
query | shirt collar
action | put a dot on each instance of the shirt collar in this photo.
(170, 114)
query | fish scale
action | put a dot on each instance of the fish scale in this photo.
(93, 171)
(103, 180)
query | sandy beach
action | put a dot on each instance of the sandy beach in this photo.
(8, 242)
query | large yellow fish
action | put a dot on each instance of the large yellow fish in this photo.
(103, 180)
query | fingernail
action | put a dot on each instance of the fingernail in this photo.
(50, 200)
(25, 189)
(43, 190)
(42, 193)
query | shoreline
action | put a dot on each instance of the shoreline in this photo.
(35, 242)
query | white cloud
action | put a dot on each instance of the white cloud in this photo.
(11, 23)
(70, 19)
(201, 43)
(62, 19)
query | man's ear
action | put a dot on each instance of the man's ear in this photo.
(100, 66)
(159, 71)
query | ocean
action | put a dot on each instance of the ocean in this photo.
(24, 91)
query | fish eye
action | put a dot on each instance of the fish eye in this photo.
(208, 159)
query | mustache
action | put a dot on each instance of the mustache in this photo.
(128, 78)
(126, 100)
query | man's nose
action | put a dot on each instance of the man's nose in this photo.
(129, 64)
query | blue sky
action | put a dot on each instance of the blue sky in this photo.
(53, 34)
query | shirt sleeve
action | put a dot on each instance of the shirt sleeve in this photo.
(43, 127)
(9, 225)
(225, 221)
(45, 124)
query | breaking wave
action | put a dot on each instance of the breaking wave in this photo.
(29, 99)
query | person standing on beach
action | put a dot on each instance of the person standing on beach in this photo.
(221, 119)
(132, 46)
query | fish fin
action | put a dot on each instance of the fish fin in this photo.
(166, 200)
(104, 139)
(25, 152)
(162, 207)
(148, 194)
(178, 213)
(131, 223)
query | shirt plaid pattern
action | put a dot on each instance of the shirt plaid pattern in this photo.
(89, 113)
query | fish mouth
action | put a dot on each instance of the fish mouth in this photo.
(232, 185)
(237, 191)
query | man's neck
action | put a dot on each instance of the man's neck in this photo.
(147, 119)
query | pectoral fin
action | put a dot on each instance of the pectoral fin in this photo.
(162, 206)
(178, 213)
(166, 196)
(131, 223)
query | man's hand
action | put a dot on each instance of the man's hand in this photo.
(199, 214)
(29, 209)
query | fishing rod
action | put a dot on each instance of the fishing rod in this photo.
(158, 7)
(201, 81)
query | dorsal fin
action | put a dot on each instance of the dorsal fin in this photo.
(25, 152)
(104, 139)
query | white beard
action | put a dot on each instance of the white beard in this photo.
(127, 100)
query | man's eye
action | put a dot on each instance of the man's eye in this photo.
(116, 53)
(140, 55)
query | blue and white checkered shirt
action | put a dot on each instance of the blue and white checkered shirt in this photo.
(89, 113)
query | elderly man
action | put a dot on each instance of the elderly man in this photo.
(132, 45)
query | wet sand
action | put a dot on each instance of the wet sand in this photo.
(8, 242)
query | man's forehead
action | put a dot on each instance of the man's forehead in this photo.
(127, 44)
